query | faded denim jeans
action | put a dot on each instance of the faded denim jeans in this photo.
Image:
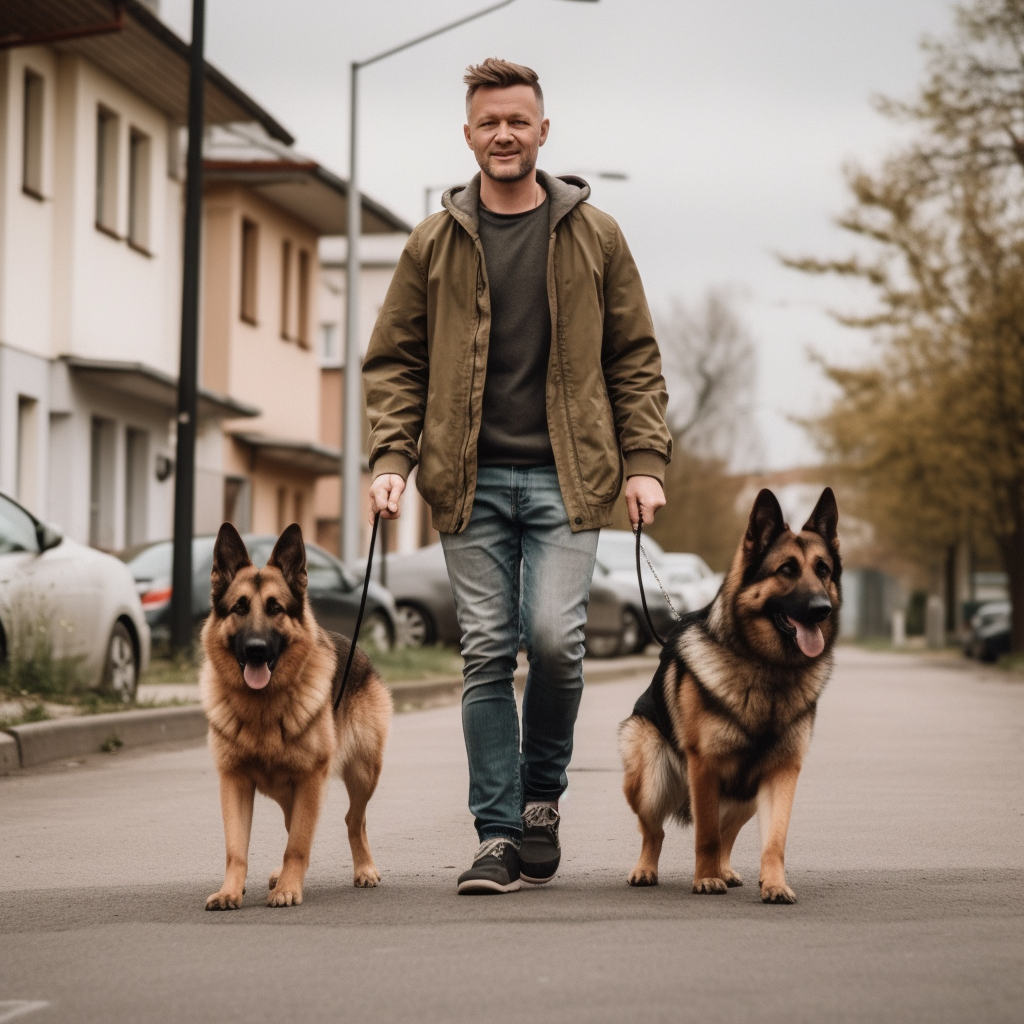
(519, 573)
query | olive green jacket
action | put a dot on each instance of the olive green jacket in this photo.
(424, 372)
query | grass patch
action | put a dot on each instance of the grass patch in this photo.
(170, 671)
(1012, 663)
(404, 663)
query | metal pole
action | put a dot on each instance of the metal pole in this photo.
(352, 453)
(184, 479)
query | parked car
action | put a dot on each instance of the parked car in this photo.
(426, 609)
(62, 600)
(988, 636)
(690, 576)
(334, 591)
(616, 566)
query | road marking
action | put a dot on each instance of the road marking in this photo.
(11, 1008)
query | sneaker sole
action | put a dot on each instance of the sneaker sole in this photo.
(536, 881)
(485, 887)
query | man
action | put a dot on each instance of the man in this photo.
(514, 360)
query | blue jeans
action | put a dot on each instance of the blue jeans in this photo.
(518, 572)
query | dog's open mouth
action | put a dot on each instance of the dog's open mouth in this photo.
(808, 635)
(257, 673)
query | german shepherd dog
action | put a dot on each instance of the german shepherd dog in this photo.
(267, 683)
(723, 728)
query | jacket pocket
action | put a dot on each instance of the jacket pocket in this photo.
(597, 448)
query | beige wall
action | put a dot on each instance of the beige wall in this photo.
(252, 362)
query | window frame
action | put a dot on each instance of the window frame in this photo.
(248, 304)
(108, 132)
(140, 164)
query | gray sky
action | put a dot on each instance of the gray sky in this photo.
(732, 118)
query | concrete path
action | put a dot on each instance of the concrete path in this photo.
(905, 852)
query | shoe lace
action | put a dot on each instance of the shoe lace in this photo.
(492, 847)
(540, 816)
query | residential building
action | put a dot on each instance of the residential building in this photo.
(266, 208)
(379, 257)
(92, 99)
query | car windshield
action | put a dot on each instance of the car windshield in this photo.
(17, 528)
(616, 550)
(154, 562)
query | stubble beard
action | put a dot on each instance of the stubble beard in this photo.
(503, 173)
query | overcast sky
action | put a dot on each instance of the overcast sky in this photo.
(732, 118)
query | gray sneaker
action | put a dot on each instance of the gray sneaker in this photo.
(495, 869)
(540, 853)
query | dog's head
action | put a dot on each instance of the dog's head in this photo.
(785, 586)
(257, 614)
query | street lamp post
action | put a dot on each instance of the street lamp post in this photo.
(352, 424)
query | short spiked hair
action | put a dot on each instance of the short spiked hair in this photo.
(495, 73)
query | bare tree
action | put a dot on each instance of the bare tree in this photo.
(710, 368)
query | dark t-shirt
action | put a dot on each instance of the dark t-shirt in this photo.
(514, 425)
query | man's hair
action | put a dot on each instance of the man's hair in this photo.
(496, 73)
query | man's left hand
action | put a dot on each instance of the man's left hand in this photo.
(647, 493)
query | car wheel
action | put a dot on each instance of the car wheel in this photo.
(121, 669)
(633, 638)
(377, 632)
(415, 627)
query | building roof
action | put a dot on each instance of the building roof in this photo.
(141, 381)
(307, 455)
(130, 43)
(246, 154)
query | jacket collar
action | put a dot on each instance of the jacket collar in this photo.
(565, 193)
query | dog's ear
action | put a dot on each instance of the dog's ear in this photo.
(289, 556)
(229, 556)
(824, 520)
(766, 523)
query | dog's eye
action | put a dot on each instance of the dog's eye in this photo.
(241, 607)
(789, 569)
(273, 608)
(823, 570)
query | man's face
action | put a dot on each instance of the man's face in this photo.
(505, 131)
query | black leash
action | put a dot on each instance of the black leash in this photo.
(640, 576)
(362, 608)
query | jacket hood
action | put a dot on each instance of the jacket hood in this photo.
(565, 193)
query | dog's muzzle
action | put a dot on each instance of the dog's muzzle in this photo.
(257, 663)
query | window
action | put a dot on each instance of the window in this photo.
(286, 288)
(282, 508)
(107, 125)
(26, 473)
(32, 137)
(250, 247)
(138, 190)
(303, 333)
(322, 574)
(136, 486)
(102, 455)
(299, 508)
(329, 343)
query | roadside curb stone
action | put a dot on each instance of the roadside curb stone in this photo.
(40, 742)
(36, 743)
(9, 759)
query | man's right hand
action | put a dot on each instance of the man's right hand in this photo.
(385, 496)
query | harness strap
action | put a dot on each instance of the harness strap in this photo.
(359, 617)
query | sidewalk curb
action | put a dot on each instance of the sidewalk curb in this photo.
(36, 743)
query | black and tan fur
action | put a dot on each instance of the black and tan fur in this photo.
(723, 729)
(284, 739)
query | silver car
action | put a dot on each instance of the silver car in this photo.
(68, 604)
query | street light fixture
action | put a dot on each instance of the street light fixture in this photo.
(352, 456)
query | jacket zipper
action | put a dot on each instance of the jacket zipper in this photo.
(472, 388)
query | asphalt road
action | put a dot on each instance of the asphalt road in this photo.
(905, 852)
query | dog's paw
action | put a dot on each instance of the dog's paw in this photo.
(732, 878)
(284, 898)
(643, 876)
(224, 900)
(709, 886)
(777, 894)
(366, 878)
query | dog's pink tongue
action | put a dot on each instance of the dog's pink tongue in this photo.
(809, 638)
(256, 676)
